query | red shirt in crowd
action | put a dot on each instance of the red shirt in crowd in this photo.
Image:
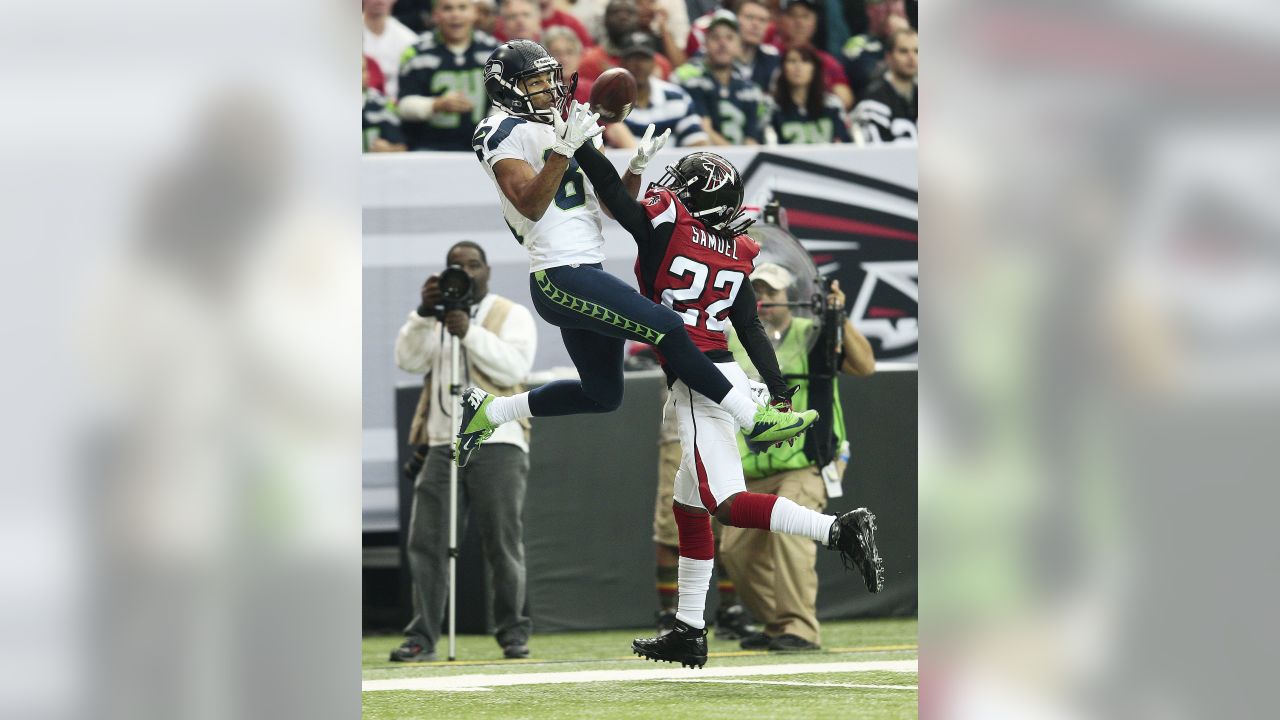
(596, 61)
(558, 17)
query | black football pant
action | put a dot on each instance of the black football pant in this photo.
(596, 313)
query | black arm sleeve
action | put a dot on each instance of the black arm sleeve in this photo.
(746, 323)
(625, 209)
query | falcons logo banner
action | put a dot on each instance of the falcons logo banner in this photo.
(859, 229)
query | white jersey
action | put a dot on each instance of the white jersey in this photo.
(570, 230)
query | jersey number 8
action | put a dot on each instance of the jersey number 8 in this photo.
(716, 312)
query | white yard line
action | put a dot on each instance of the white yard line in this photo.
(799, 684)
(460, 682)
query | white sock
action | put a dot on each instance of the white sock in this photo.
(792, 519)
(506, 409)
(742, 407)
(693, 583)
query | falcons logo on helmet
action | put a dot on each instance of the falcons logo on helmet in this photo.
(718, 175)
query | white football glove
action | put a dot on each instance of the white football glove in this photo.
(759, 391)
(648, 147)
(571, 133)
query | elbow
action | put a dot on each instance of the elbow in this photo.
(530, 211)
(861, 369)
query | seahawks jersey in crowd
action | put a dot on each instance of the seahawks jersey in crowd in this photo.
(862, 57)
(380, 119)
(766, 64)
(570, 229)
(884, 116)
(795, 127)
(735, 109)
(430, 69)
(670, 107)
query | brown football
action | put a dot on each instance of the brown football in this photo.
(613, 94)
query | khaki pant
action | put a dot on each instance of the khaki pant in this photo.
(774, 573)
(664, 521)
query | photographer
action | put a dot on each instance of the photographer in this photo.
(775, 574)
(497, 340)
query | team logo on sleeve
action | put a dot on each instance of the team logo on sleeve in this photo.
(718, 175)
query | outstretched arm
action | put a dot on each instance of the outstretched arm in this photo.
(746, 323)
(609, 188)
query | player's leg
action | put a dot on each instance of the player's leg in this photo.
(686, 643)
(605, 304)
(599, 388)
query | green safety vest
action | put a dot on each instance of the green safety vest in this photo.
(793, 358)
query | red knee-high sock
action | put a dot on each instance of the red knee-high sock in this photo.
(697, 550)
(752, 510)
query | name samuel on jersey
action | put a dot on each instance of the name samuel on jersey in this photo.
(725, 246)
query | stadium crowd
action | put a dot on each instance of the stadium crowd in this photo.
(715, 73)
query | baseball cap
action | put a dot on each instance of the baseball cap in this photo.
(773, 275)
(638, 43)
(788, 4)
(723, 17)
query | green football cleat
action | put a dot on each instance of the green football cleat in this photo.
(475, 426)
(776, 424)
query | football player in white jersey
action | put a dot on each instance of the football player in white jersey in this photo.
(527, 149)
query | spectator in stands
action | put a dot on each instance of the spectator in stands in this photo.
(565, 47)
(805, 113)
(486, 16)
(381, 125)
(668, 23)
(659, 102)
(385, 40)
(591, 14)
(553, 17)
(452, 58)
(498, 339)
(621, 20)
(762, 59)
(730, 104)
(521, 20)
(415, 14)
(834, 29)
(863, 55)
(887, 113)
(797, 26)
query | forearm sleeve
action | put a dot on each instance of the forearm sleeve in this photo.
(750, 331)
(609, 188)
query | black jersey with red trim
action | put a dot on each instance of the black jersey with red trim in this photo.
(697, 273)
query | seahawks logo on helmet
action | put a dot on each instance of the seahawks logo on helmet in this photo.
(512, 63)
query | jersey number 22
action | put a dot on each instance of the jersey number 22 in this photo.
(716, 312)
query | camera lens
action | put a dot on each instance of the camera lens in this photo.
(455, 283)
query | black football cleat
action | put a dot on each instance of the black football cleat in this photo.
(666, 622)
(854, 535)
(732, 623)
(684, 644)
